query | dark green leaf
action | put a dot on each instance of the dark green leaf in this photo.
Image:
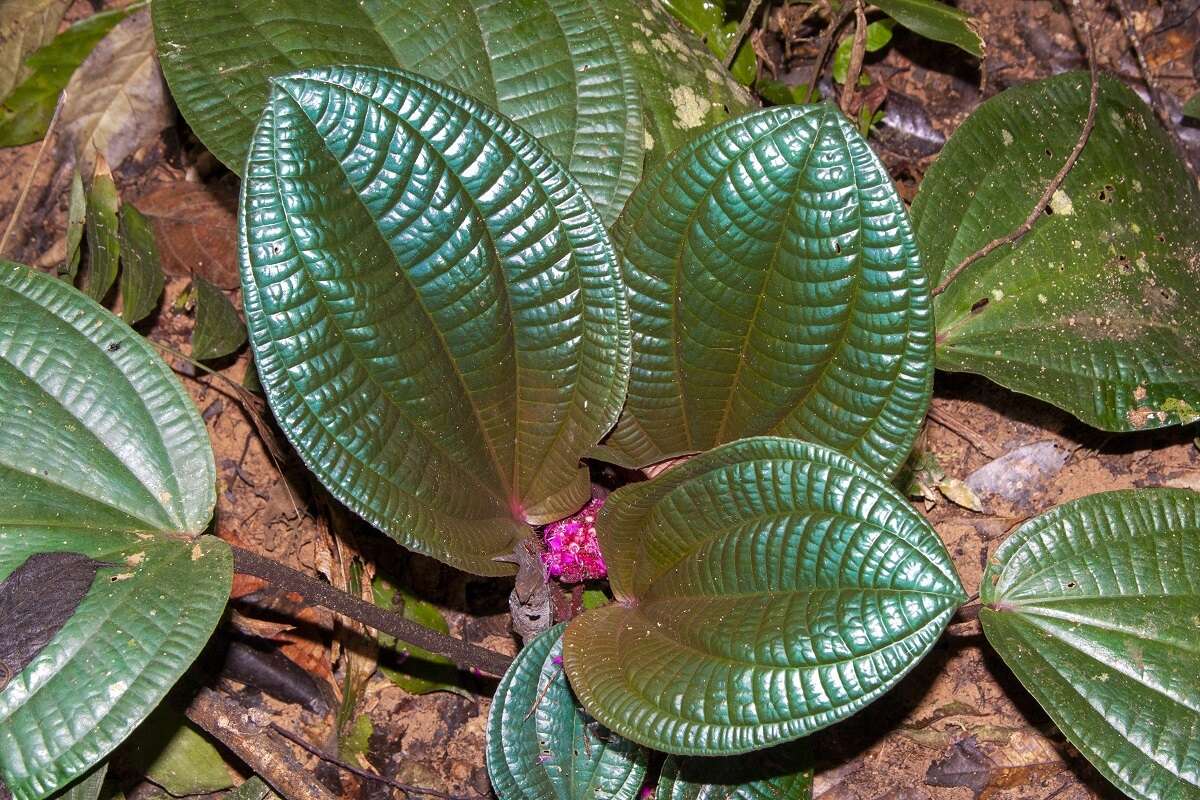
(103, 241)
(141, 269)
(419, 671)
(219, 330)
(937, 21)
(1095, 607)
(555, 67)
(253, 789)
(1192, 107)
(172, 753)
(701, 16)
(684, 87)
(764, 590)
(101, 453)
(86, 788)
(460, 335)
(744, 68)
(26, 112)
(781, 773)
(1095, 309)
(543, 746)
(76, 218)
(774, 287)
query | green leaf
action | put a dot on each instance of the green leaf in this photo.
(781, 773)
(103, 240)
(1191, 108)
(87, 787)
(764, 590)
(1094, 606)
(554, 67)
(879, 33)
(744, 68)
(543, 746)
(1095, 309)
(76, 218)
(102, 454)
(420, 671)
(172, 753)
(141, 269)
(25, 25)
(701, 16)
(774, 287)
(684, 87)
(254, 789)
(219, 330)
(937, 21)
(460, 335)
(26, 112)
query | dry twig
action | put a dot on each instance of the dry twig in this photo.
(37, 161)
(956, 426)
(857, 54)
(740, 34)
(1056, 181)
(823, 50)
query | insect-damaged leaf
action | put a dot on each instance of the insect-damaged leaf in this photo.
(763, 590)
(435, 309)
(102, 458)
(543, 746)
(1095, 309)
(774, 288)
(1095, 607)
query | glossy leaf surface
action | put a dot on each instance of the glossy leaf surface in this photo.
(781, 773)
(1095, 309)
(555, 67)
(103, 239)
(764, 590)
(434, 306)
(543, 746)
(774, 288)
(936, 20)
(1094, 607)
(102, 455)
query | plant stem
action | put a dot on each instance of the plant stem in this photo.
(1056, 182)
(857, 54)
(740, 33)
(464, 654)
(823, 50)
(37, 162)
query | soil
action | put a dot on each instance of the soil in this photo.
(959, 727)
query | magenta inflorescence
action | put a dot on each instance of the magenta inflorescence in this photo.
(572, 553)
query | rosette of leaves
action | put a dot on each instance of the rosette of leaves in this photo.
(108, 589)
(435, 309)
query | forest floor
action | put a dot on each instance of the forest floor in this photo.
(959, 727)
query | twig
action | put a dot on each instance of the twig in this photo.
(37, 162)
(362, 773)
(823, 50)
(960, 429)
(230, 724)
(1056, 182)
(740, 33)
(462, 653)
(857, 54)
(1152, 86)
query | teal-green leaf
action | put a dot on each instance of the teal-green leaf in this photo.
(102, 454)
(555, 67)
(1095, 607)
(764, 589)
(774, 288)
(26, 112)
(938, 21)
(141, 270)
(103, 239)
(219, 330)
(1095, 309)
(543, 746)
(435, 309)
(780, 773)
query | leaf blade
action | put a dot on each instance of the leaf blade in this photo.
(219, 330)
(141, 273)
(938, 21)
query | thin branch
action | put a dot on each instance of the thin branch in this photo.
(956, 426)
(740, 34)
(408, 789)
(1056, 182)
(823, 50)
(462, 653)
(857, 53)
(230, 724)
(37, 161)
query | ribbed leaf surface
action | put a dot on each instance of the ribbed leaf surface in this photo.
(764, 589)
(543, 746)
(435, 309)
(1095, 607)
(555, 67)
(100, 450)
(781, 773)
(1095, 309)
(774, 288)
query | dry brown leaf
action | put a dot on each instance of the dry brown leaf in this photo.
(25, 25)
(196, 230)
(116, 102)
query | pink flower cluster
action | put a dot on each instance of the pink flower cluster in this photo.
(572, 553)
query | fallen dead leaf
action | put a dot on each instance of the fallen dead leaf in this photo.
(196, 229)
